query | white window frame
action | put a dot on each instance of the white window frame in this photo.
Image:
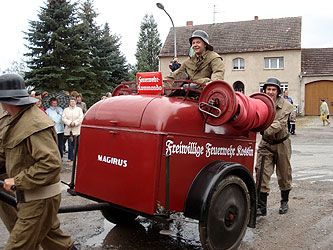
(279, 62)
(237, 62)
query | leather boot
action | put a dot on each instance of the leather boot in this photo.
(262, 204)
(284, 202)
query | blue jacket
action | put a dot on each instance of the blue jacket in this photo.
(288, 98)
(57, 117)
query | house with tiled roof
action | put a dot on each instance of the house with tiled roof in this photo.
(317, 79)
(252, 51)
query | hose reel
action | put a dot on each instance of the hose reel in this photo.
(220, 104)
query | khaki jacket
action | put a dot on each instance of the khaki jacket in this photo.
(278, 129)
(83, 106)
(29, 149)
(206, 68)
(4, 116)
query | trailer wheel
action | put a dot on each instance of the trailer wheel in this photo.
(118, 216)
(227, 216)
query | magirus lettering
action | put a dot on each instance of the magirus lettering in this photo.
(112, 160)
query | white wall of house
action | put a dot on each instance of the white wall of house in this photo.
(254, 72)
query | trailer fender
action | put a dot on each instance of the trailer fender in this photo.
(203, 185)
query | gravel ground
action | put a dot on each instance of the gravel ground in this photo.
(307, 225)
(309, 221)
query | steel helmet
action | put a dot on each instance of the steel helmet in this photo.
(12, 90)
(203, 35)
(273, 81)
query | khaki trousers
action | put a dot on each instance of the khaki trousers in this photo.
(8, 214)
(275, 155)
(38, 224)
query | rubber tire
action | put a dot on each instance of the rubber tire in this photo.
(118, 216)
(216, 231)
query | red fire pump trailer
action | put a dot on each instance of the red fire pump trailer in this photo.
(153, 155)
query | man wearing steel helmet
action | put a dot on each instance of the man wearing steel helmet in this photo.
(30, 154)
(275, 150)
(202, 67)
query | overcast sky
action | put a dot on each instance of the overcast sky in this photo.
(125, 16)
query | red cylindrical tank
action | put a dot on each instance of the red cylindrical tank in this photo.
(124, 140)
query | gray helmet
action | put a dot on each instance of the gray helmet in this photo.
(203, 35)
(12, 90)
(273, 81)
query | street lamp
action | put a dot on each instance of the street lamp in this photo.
(160, 6)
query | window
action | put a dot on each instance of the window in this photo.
(238, 63)
(274, 63)
(284, 86)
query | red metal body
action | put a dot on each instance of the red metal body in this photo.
(124, 142)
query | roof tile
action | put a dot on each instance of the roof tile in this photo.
(317, 61)
(243, 36)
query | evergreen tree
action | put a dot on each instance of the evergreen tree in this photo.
(112, 61)
(91, 35)
(69, 51)
(58, 55)
(107, 62)
(148, 46)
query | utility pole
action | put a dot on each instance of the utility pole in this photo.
(214, 12)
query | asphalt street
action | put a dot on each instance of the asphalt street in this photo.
(312, 163)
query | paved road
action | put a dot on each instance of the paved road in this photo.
(312, 155)
(312, 162)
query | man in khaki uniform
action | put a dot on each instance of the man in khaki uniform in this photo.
(8, 214)
(202, 67)
(275, 146)
(30, 154)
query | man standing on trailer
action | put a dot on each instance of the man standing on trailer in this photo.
(202, 67)
(29, 151)
(275, 149)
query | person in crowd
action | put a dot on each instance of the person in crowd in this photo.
(108, 94)
(287, 97)
(72, 118)
(55, 113)
(44, 94)
(324, 112)
(39, 103)
(274, 150)
(38, 93)
(174, 64)
(292, 120)
(8, 214)
(202, 67)
(29, 152)
(74, 93)
(80, 103)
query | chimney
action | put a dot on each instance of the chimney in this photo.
(256, 17)
(189, 23)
